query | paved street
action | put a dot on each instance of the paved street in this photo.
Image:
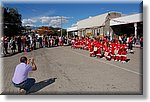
(62, 70)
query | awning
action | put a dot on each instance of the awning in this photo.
(127, 19)
(72, 29)
(92, 21)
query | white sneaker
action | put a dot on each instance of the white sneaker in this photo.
(22, 91)
(123, 61)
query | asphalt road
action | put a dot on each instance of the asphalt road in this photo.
(62, 70)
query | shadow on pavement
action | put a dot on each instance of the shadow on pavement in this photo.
(40, 85)
(127, 60)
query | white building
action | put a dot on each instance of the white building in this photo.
(93, 26)
(97, 25)
(130, 24)
(108, 24)
(72, 31)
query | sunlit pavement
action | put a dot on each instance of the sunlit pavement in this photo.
(62, 70)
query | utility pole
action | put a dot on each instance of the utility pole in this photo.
(61, 26)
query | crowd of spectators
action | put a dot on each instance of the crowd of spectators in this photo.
(18, 44)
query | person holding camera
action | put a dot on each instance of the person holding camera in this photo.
(20, 78)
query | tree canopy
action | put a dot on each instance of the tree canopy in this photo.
(12, 24)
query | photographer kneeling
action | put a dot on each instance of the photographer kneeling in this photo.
(20, 78)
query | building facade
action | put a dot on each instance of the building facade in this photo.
(130, 24)
(97, 25)
(109, 24)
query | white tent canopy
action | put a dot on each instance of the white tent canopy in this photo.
(92, 21)
(126, 19)
(72, 29)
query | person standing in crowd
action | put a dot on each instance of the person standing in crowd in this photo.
(23, 41)
(13, 45)
(46, 41)
(69, 40)
(134, 40)
(141, 42)
(43, 41)
(40, 42)
(5, 43)
(20, 78)
(120, 39)
(65, 40)
(60, 41)
(2, 45)
(130, 42)
(51, 41)
(124, 39)
(31, 42)
(56, 41)
(19, 43)
(28, 41)
(34, 42)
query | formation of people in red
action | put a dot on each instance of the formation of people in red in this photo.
(110, 50)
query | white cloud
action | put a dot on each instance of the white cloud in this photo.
(28, 22)
(44, 19)
(54, 21)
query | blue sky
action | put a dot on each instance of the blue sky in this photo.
(37, 14)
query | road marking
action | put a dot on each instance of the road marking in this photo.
(108, 63)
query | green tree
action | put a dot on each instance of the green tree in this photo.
(12, 22)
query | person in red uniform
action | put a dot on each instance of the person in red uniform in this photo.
(104, 49)
(82, 43)
(95, 42)
(120, 47)
(98, 45)
(91, 47)
(79, 44)
(87, 44)
(124, 53)
(72, 43)
(76, 43)
(117, 46)
(107, 52)
(112, 47)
